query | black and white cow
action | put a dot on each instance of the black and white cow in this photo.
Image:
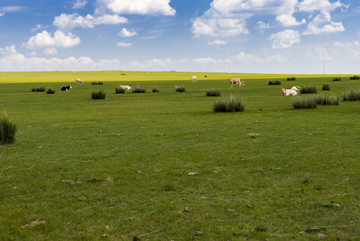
(66, 88)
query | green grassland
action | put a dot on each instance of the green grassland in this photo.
(118, 168)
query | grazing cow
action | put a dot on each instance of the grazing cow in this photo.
(236, 81)
(66, 88)
(193, 78)
(288, 92)
(295, 87)
(78, 81)
(125, 87)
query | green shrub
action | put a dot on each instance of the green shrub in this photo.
(40, 89)
(119, 91)
(97, 83)
(50, 91)
(326, 100)
(352, 95)
(308, 90)
(326, 87)
(155, 90)
(291, 78)
(276, 82)
(229, 104)
(98, 95)
(179, 89)
(300, 102)
(355, 77)
(8, 131)
(336, 79)
(138, 89)
(212, 92)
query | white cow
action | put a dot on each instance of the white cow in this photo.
(78, 81)
(236, 81)
(295, 88)
(125, 87)
(288, 92)
(193, 78)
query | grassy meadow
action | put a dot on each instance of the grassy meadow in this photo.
(165, 166)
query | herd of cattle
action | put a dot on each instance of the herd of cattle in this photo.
(236, 81)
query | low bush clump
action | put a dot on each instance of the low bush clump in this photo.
(300, 102)
(98, 95)
(336, 79)
(119, 91)
(138, 89)
(291, 78)
(355, 77)
(50, 91)
(352, 95)
(276, 82)
(308, 90)
(179, 89)
(155, 90)
(212, 92)
(8, 131)
(326, 100)
(326, 87)
(229, 104)
(97, 83)
(40, 89)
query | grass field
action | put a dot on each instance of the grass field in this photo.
(118, 168)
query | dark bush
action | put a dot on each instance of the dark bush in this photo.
(336, 79)
(212, 92)
(98, 95)
(179, 89)
(155, 90)
(326, 87)
(355, 77)
(229, 104)
(276, 82)
(291, 78)
(300, 102)
(138, 89)
(326, 100)
(97, 83)
(352, 95)
(8, 131)
(119, 91)
(40, 89)
(50, 91)
(308, 90)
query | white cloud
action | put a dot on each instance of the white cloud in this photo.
(50, 51)
(37, 27)
(142, 7)
(123, 44)
(217, 42)
(288, 20)
(2, 14)
(70, 21)
(46, 40)
(126, 33)
(79, 4)
(285, 39)
(261, 25)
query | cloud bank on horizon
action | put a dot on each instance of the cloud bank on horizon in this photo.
(273, 36)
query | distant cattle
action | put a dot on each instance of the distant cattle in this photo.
(125, 87)
(78, 81)
(288, 92)
(193, 78)
(66, 88)
(236, 81)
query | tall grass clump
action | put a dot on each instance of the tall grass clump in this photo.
(138, 89)
(50, 91)
(352, 95)
(355, 77)
(326, 100)
(98, 95)
(155, 90)
(179, 89)
(326, 87)
(291, 78)
(40, 89)
(97, 83)
(308, 90)
(213, 92)
(336, 79)
(300, 102)
(229, 104)
(8, 131)
(276, 82)
(119, 91)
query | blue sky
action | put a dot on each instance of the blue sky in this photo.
(249, 36)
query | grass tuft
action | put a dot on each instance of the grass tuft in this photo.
(8, 131)
(138, 89)
(179, 89)
(98, 95)
(119, 91)
(301, 102)
(50, 91)
(276, 82)
(40, 89)
(336, 79)
(229, 104)
(213, 92)
(308, 90)
(326, 100)
(291, 78)
(155, 90)
(352, 95)
(355, 77)
(97, 83)
(326, 87)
